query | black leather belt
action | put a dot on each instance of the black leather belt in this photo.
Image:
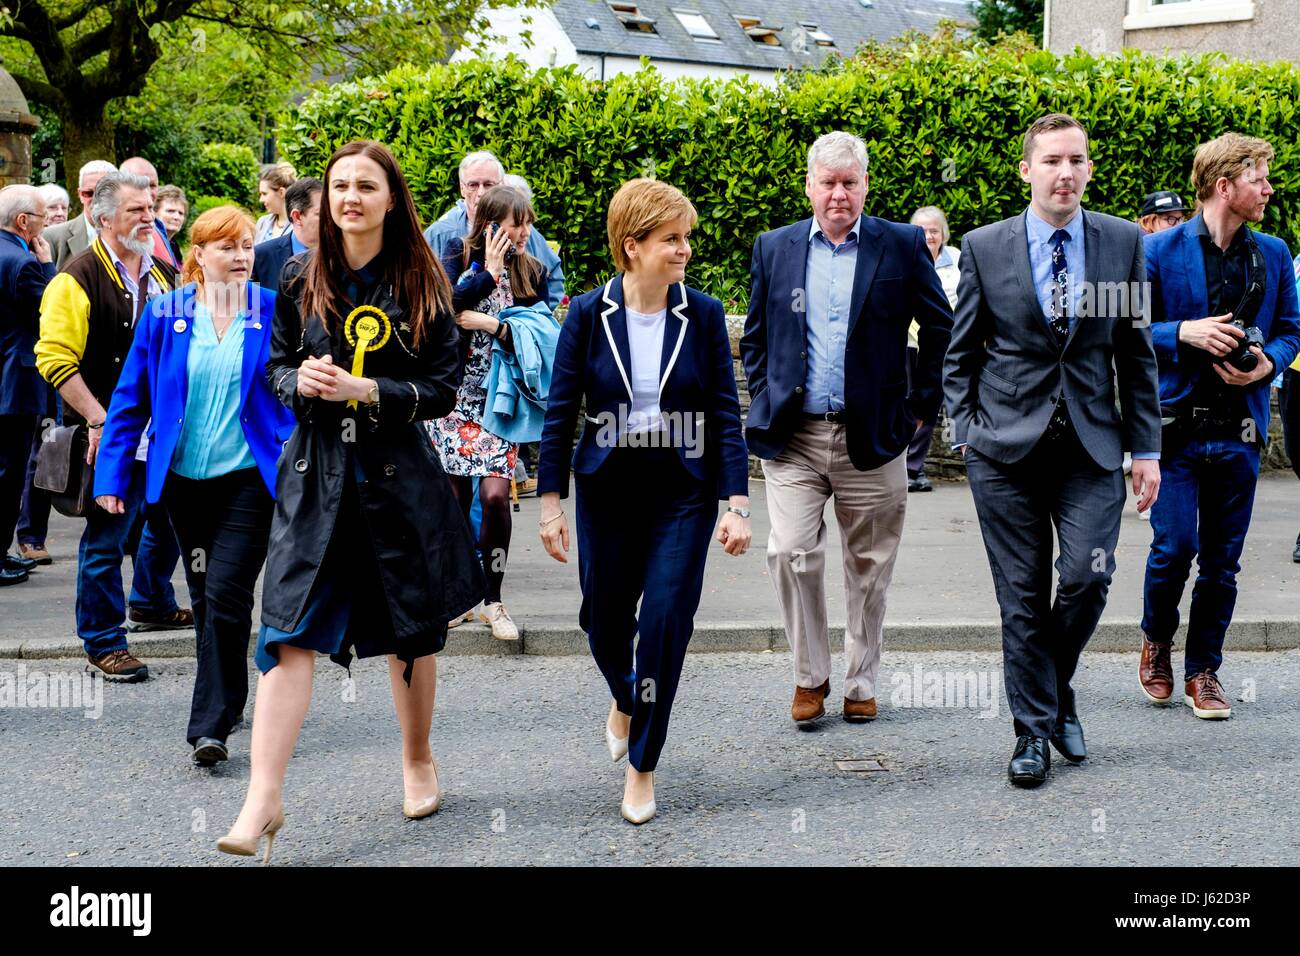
(835, 418)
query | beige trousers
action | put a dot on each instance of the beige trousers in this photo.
(869, 506)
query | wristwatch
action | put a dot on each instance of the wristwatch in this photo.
(743, 512)
(372, 396)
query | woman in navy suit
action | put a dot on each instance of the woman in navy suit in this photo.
(196, 377)
(653, 361)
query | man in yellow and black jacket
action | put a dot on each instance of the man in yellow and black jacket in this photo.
(88, 316)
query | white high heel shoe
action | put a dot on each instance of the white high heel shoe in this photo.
(617, 745)
(638, 813)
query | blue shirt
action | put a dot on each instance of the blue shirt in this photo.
(295, 247)
(1039, 235)
(828, 297)
(212, 441)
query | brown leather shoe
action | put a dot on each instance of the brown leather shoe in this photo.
(118, 666)
(35, 552)
(809, 702)
(1204, 694)
(857, 711)
(180, 619)
(1156, 672)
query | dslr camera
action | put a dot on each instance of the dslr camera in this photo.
(1243, 316)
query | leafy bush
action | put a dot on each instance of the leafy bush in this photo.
(226, 169)
(943, 120)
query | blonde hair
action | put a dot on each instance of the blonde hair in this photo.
(217, 224)
(1227, 157)
(639, 208)
(279, 175)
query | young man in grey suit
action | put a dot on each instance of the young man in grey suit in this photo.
(1051, 316)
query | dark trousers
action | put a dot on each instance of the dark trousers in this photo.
(655, 546)
(101, 610)
(919, 447)
(224, 526)
(1207, 491)
(1057, 484)
(1289, 406)
(15, 443)
(34, 517)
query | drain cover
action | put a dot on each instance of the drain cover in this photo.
(861, 764)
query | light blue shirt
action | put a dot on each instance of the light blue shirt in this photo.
(1039, 234)
(828, 298)
(212, 441)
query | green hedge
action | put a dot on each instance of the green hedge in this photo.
(942, 117)
(226, 169)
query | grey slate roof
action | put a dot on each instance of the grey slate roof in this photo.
(848, 22)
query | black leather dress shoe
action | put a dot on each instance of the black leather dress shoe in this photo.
(209, 750)
(919, 483)
(1029, 763)
(15, 563)
(1295, 555)
(1068, 739)
(8, 577)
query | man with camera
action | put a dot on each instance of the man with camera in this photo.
(1224, 320)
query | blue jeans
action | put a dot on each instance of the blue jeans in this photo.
(101, 613)
(1207, 491)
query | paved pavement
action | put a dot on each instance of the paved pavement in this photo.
(528, 781)
(941, 597)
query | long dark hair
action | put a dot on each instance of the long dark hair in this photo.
(497, 205)
(419, 283)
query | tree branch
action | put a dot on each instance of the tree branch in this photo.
(41, 92)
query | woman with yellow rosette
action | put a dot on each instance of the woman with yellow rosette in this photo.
(369, 553)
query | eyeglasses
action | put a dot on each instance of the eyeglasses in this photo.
(1173, 219)
(477, 185)
(85, 192)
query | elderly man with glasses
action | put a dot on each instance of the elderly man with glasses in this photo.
(479, 172)
(74, 236)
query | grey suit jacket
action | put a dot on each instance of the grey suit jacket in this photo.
(68, 239)
(1004, 370)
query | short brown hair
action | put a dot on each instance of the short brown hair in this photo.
(1227, 157)
(639, 208)
(171, 194)
(1048, 124)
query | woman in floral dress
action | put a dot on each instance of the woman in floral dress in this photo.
(494, 272)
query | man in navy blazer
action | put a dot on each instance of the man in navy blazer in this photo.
(302, 204)
(26, 265)
(1216, 409)
(825, 353)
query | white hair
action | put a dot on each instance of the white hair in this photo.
(95, 166)
(108, 194)
(520, 184)
(15, 200)
(53, 192)
(838, 150)
(481, 156)
(935, 213)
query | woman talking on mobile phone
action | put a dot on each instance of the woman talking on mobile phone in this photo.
(495, 273)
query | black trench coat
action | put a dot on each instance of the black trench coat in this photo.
(427, 568)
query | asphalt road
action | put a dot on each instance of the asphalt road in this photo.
(528, 781)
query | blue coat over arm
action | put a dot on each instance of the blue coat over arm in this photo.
(154, 385)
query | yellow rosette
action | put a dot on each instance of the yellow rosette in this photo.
(366, 329)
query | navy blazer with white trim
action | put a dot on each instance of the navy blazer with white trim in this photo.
(697, 378)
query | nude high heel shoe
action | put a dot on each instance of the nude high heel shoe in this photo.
(247, 846)
(638, 813)
(417, 809)
(617, 745)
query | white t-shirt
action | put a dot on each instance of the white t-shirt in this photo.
(645, 339)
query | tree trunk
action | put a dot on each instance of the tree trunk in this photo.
(87, 135)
